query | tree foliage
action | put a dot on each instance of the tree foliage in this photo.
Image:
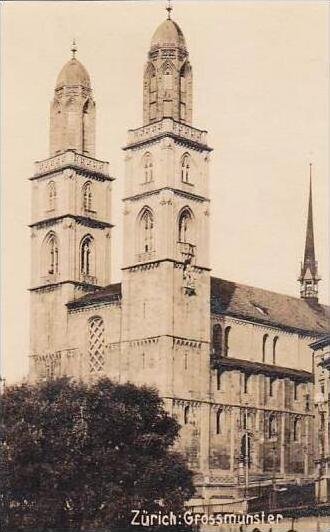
(79, 457)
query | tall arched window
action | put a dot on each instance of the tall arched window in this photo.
(186, 415)
(296, 430)
(185, 168)
(275, 340)
(152, 92)
(272, 426)
(219, 421)
(185, 227)
(146, 231)
(148, 168)
(51, 255)
(264, 347)
(96, 345)
(226, 341)
(217, 339)
(87, 196)
(51, 195)
(87, 256)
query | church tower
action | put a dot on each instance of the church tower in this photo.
(70, 229)
(166, 269)
(309, 277)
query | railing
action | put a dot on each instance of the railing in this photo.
(71, 158)
(186, 249)
(167, 125)
(86, 278)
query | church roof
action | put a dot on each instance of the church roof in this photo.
(270, 308)
(245, 302)
(168, 34)
(73, 73)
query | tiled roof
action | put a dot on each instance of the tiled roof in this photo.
(263, 306)
(112, 292)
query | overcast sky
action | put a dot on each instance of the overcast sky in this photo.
(260, 89)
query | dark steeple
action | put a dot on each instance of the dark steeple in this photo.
(309, 277)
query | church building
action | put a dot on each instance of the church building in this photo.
(233, 363)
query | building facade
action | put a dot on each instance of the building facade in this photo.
(232, 362)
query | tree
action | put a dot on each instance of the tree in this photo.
(82, 457)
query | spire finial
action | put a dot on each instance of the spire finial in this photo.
(169, 9)
(74, 49)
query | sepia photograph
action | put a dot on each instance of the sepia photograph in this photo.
(165, 324)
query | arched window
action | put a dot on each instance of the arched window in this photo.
(226, 341)
(272, 426)
(146, 231)
(185, 227)
(87, 196)
(186, 415)
(247, 377)
(152, 81)
(147, 168)
(219, 421)
(296, 430)
(96, 345)
(264, 347)
(51, 255)
(87, 256)
(217, 339)
(275, 340)
(51, 195)
(185, 168)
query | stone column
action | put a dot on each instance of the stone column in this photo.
(282, 444)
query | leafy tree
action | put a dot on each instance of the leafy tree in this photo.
(82, 457)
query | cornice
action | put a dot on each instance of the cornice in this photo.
(81, 171)
(155, 263)
(83, 220)
(179, 139)
(53, 286)
(177, 191)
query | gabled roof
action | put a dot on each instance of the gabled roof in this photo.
(110, 293)
(264, 306)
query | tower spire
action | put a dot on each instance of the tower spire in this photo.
(309, 277)
(74, 49)
(169, 9)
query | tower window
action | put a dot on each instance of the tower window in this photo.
(96, 347)
(51, 255)
(185, 168)
(295, 390)
(264, 347)
(146, 227)
(226, 341)
(275, 340)
(87, 196)
(148, 168)
(219, 421)
(186, 415)
(86, 256)
(51, 195)
(217, 339)
(296, 430)
(185, 225)
(271, 386)
(246, 382)
(272, 427)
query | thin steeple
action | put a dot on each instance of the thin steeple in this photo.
(309, 277)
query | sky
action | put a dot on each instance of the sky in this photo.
(260, 89)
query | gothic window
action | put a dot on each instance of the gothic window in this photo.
(217, 339)
(226, 341)
(51, 195)
(275, 340)
(219, 421)
(247, 378)
(87, 256)
(296, 430)
(96, 346)
(51, 254)
(87, 196)
(272, 426)
(148, 168)
(185, 168)
(186, 415)
(185, 227)
(146, 231)
(264, 347)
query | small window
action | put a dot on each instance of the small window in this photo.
(185, 168)
(226, 341)
(246, 382)
(296, 430)
(186, 415)
(271, 386)
(275, 340)
(272, 426)
(148, 168)
(51, 196)
(86, 256)
(51, 252)
(264, 347)
(219, 421)
(217, 339)
(295, 390)
(185, 226)
(87, 196)
(147, 227)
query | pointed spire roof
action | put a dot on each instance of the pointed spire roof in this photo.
(309, 256)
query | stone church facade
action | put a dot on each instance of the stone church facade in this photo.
(232, 362)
